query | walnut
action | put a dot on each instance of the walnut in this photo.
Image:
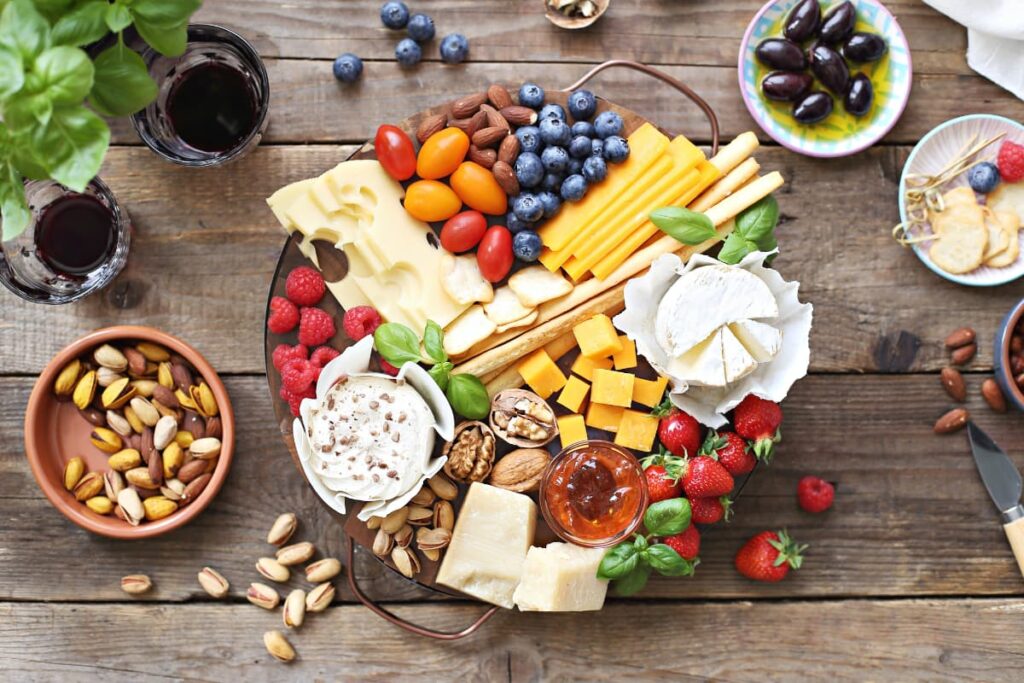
(471, 454)
(522, 418)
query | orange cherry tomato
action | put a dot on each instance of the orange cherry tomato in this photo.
(430, 200)
(477, 187)
(442, 153)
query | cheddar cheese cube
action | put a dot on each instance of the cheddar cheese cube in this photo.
(637, 430)
(612, 388)
(597, 337)
(584, 367)
(571, 429)
(649, 392)
(541, 373)
(573, 394)
(625, 358)
(600, 416)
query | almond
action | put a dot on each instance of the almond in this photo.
(484, 157)
(953, 383)
(508, 150)
(489, 137)
(520, 470)
(494, 119)
(506, 177)
(952, 421)
(964, 354)
(993, 395)
(520, 116)
(431, 125)
(468, 105)
(960, 337)
(498, 96)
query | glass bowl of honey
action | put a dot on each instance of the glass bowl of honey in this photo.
(593, 494)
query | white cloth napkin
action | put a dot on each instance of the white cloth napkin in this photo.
(995, 38)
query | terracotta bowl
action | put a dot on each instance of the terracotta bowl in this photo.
(55, 432)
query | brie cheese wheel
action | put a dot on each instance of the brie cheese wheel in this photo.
(705, 299)
(762, 341)
(703, 364)
(738, 362)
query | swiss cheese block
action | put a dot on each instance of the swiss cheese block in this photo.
(612, 388)
(584, 367)
(601, 416)
(561, 578)
(649, 392)
(492, 535)
(573, 393)
(625, 358)
(541, 373)
(637, 430)
(571, 428)
(597, 337)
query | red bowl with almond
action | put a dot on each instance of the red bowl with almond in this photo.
(1008, 356)
(129, 432)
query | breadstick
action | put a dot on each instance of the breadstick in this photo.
(726, 185)
(730, 156)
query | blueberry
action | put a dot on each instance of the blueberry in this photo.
(550, 201)
(595, 169)
(516, 224)
(529, 169)
(421, 28)
(527, 207)
(582, 104)
(555, 159)
(607, 123)
(575, 167)
(554, 132)
(529, 138)
(583, 128)
(580, 146)
(553, 111)
(394, 14)
(597, 147)
(348, 68)
(573, 188)
(526, 245)
(408, 52)
(983, 178)
(616, 149)
(552, 182)
(454, 48)
(531, 95)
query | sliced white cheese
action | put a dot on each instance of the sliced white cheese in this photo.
(492, 535)
(762, 341)
(706, 298)
(505, 307)
(703, 364)
(468, 330)
(738, 363)
(536, 284)
(461, 279)
(561, 578)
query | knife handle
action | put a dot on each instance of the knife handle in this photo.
(1015, 535)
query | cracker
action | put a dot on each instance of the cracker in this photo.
(1008, 197)
(998, 237)
(1011, 225)
(461, 279)
(522, 322)
(958, 196)
(536, 284)
(468, 330)
(962, 213)
(506, 307)
(961, 246)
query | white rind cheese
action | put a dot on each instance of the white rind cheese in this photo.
(738, 362)
(561, 578)
(702, 365)
(492, 535)
(761, 340)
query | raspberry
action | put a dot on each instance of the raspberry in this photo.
(284, 353)
(360, 322)
(388, 368)
(284, 316)
(297, 375)
(1011, 162)
(305, 286)
(323, 356)
(294, 399)
(815, 494)
(315, 327)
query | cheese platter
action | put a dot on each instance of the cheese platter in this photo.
(495, 376)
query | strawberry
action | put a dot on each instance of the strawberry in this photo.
(731, 450)
(662, 472)
(679, 433)
(758, 421)
(768, 556)
(710, 510)
(687, 543)
(815, 494)
(704, 477)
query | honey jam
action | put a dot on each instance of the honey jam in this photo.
(593, 494)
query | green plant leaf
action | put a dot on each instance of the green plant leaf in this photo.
(28, 162)
(667, 562)
(12, 72)
(26, 112)
(83, 25)
(73, 142)
(397, 344)
(169, 42)
(441, 372)
(122, 85)
(433, 342)
(618, 561)
(684, 225)
(757, 222)
(52, 9)
(468, 396)
(64, 74)
(735, 248)
(667, 517)
(24, 29)
(117, 17)
(633, 582)
(14, 212)
(164, 13)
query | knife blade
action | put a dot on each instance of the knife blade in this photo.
(1001, 478)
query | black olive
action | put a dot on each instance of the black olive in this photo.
(779, 53)
(803, 21)
(830, 69)
(865, 47)
(837, 24)
(786, 86)
(858, 100)
(813, 108)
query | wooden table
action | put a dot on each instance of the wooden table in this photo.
(907, 577)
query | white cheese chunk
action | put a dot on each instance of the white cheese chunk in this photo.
(738, 363)
(761, 340)
(492, 535)
(703, 364)
(561, 578)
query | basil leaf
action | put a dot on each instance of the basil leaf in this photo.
(24, 29)
(13, 207)
(12, 72)
(441, 373)
(640, 543)
(397, 344)
(633, 582)
(64, 73)
(169, 42)
(668, 517)
(468, 396)
(164, 13)
(74, 142)
(83, 25)
(618, 561)
(117, 18)
(53, 9)
(684, 225)
(735, 248)
(667, 562)
(122, 85)
(757, 222)
(433, 342)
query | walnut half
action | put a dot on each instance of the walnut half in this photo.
(471, 454)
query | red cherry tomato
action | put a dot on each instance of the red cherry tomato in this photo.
(463, 231)
(494, 255)
(395, 152)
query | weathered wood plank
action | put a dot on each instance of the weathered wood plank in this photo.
(902, 640)
(910, 507)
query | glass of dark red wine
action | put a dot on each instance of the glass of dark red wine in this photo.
(212, 101)
(76, 243)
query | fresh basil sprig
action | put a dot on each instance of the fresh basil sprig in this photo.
(755, 231)
(398, 345)
(684, 225)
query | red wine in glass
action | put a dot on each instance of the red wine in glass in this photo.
(75, 235)
(212, 107)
